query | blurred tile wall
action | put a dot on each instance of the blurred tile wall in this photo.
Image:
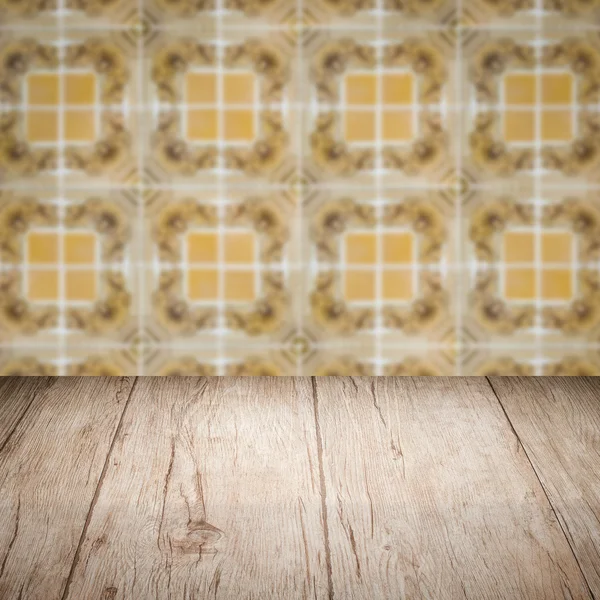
(300, 187)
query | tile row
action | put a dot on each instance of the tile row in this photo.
(197, 15)
(341, 266)
(285, 360)
(505, 108)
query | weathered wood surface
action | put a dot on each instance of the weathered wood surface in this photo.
(558, 422)
(272, 488)
(430, 496)
(49, 472)
(16, 396)
(212, 491)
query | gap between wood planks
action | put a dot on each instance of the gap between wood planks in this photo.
(323, 491)
(97, 492)
(537, 475)
(25, 411)
(323, 488)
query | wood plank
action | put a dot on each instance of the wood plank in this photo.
(16, 395)
(49, 472)
(558, 422)
(212, 491)
(429, 496)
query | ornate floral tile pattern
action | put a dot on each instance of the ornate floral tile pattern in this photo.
(311, 187)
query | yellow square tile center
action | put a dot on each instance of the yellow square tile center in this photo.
(361, 248)
(43, 89)
(43, 98)
(523, 256)
(221, 106)
(394, 259)
(237, 249)
(391, 94)
(49, 254)
(552, 96)
(396, 248)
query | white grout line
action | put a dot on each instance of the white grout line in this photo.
(299, 276)
(537, 183)
(61, 191)
(139, 232)
(379, 211)
(221, 184)
(458, 244)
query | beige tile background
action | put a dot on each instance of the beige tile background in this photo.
(300, 187)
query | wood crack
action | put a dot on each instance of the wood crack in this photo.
(374, 396)
(323, 490)
(216, 580)
(13, 538)
(166, 489)
(97, 493)
(372, 519)
(561, 523)
(353, 545)
(304, 539)
(20, 419)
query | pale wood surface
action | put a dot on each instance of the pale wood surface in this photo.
(16, 396)
(212, 492)
(558, 422)
(49, 471)
(326, 488)
(428, 496)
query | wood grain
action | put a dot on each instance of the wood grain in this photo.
(16, 395)
(558, 422)
(212, 492)
(428, 495)
(49, 471)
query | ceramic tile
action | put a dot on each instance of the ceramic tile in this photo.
(526, 361)
(220, 111)
(37, 15)
(68, 267)
(77, 361)
(379, 268)
(530, 273)
(69, 109)
(518, 14)
(235, 360)
(379, 108)
(531, 105)
(219, 268)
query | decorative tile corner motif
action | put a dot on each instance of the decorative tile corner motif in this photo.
(37, 14)
(523, 362)
(362, 360)
(205, 15)
(575, 364)
(488, 361)
(239, 363)
(411, 14)
(26, 365)
(515, 14)
(39, 362)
